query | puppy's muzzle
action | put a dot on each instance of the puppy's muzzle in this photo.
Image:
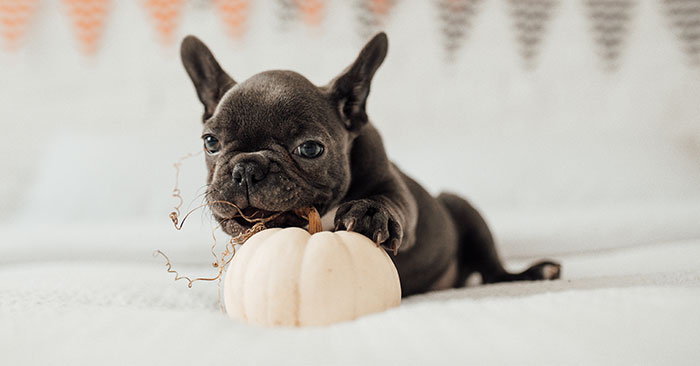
(249, 171)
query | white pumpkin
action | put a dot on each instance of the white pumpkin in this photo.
(290, 277)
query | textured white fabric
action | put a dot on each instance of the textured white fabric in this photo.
(626, 307)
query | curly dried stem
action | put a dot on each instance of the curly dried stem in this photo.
(222, 260)
(189, 280)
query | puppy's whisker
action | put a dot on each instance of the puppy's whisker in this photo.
(200, 197)
(202, 187)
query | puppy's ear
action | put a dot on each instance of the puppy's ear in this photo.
(350, 89)
(210, 80)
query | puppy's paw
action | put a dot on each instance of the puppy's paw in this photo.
(371, 219)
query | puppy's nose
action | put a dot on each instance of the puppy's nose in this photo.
(248, 172)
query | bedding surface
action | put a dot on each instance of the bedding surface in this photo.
(635, 305)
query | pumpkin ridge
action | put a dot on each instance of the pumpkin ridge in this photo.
(391, 268)
(268, 285)
(247, 274)
(302, 266)
(297, 290)
(354, 270)
(241, 296)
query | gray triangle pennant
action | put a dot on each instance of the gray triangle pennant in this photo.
(372, 16)
(609, 25)
(530, 19)
(684, 16)
(456, 17)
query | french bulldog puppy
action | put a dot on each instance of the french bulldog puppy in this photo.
(276, 142)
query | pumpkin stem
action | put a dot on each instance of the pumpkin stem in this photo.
(314, 221)
(314, 218)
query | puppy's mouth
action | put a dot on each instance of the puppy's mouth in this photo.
(250, 216)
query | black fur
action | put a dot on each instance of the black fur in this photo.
(261, 122)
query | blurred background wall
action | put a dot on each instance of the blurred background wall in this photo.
(559, 119)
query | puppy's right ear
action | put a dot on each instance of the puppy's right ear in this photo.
(210, 80)
(350, 89)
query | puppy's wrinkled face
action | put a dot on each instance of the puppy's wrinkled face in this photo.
(274, 144)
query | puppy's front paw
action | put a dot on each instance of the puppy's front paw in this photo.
(371, 219)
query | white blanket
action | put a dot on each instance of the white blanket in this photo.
(631, 306)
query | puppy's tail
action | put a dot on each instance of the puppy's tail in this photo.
(477, 251)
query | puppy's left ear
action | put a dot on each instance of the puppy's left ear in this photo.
(210, 80)
(350, 89)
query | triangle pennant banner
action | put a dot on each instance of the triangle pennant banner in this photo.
(380, 7)
(456, 18)
(234, 14)
(165, 15)
(530, 19)
(685, 21)
(15, 16)
(610, 24)
(88, 18)
(286, 12)
(311, 11)
(372, 16)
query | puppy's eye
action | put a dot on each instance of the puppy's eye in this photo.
(309, 150)
(211, 144)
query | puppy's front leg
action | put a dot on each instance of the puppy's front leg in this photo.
(388, 216)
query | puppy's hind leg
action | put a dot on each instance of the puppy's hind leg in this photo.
(477, 251)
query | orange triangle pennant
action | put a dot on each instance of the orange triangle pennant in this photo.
(380, 7)
(233, 13)
(311, 10)
(165, 15)
(88, 18)
(14, 20)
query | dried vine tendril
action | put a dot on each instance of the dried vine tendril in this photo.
(177, 193)
(222, 259)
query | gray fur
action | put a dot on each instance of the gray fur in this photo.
(261, 121)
